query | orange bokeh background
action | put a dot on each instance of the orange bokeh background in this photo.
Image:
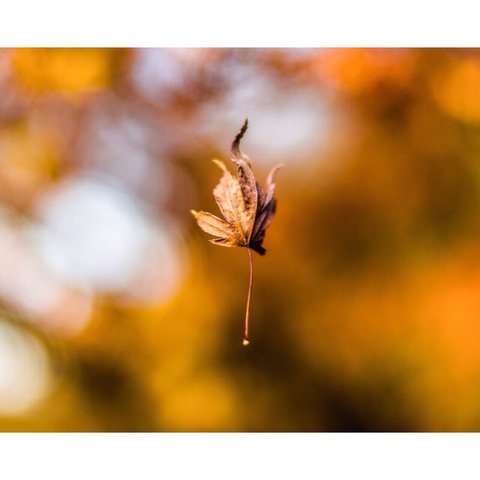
(118, 315)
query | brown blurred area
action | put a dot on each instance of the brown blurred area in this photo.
(117, 314)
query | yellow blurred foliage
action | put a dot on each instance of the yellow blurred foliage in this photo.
(205, 403)
(356, 69)
(456, 91)
(28, 162)
(417, 335)
(67, 70)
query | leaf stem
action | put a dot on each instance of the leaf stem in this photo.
(246, 340)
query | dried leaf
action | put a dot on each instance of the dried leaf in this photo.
(246, 179)
(213, 225)
(230, 200)
(246, 207)
(267, 205)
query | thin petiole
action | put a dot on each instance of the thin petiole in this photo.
(246, 340)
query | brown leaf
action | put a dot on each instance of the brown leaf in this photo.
(247, 209)
(246, 178)
(230, 200)
(267, 205)
(219, 228)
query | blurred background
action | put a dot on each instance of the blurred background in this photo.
(117, 314)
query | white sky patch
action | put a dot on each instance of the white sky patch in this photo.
(287, 123)
(95, 235)
(162, 270)
(31, 290)
(24, 370)
(288, 127)
(157, 70)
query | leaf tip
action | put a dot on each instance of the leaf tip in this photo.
(236, 142)
(219, 163)
(194, 213)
